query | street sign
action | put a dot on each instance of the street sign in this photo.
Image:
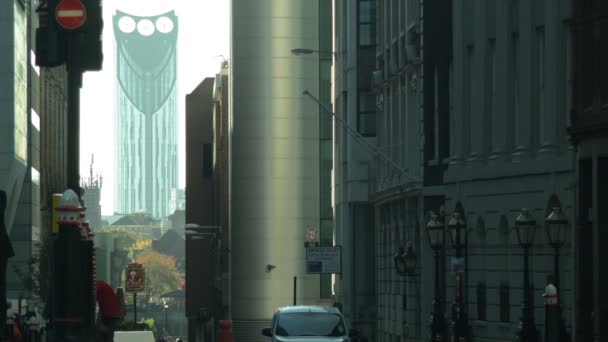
(311, 237)
(312, 233)
(136, 278)
(324, 259)
(70, 14)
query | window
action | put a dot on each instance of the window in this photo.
(469, 97)
(395, 17)
(490, 87)
(366, 117)
(540, 75)
(481, 301)
(380, 28)
(367, 23)
(602, 55)
(435, 132)
(504, 303)
(310, 324)
(515, 80)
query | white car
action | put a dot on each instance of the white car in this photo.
(307, 323)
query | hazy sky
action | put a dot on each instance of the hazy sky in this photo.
(203, 35)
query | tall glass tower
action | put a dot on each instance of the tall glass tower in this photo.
(146, 90)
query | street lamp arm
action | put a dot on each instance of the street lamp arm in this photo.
(360, 138)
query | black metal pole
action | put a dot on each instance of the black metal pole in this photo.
(563, 334)
(135, 307)
(3, 308)
(438, 323)
(556, 269)
(73, 147)
(68, 288)
(527, 328)
(295, 287)
(73, 129)
(459, 315)
(6, 252)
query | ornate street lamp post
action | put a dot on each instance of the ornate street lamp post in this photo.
(435, 232)
(166, 307)
(405, 262)
(458, 234)
(557, 228)
(525, 226)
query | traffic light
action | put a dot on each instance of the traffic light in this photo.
(90, 54)
(50, 40)
(80, 47)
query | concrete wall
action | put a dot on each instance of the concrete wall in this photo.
(275, 157)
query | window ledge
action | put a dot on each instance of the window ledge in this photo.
(504, 325)
(482, 324)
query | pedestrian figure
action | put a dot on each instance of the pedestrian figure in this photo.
(110, 312)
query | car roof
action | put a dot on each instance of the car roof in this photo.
(308, 308)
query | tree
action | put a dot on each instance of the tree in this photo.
(161, 275)
(139, 247)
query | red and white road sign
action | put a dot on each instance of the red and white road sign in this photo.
(70, 14)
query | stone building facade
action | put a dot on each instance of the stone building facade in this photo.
(473, 103)
(355, 130)
(589, 134)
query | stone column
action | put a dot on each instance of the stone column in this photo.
(457, 119)
(523, 119)
(501, 92)
(552, 82)
(476, 133)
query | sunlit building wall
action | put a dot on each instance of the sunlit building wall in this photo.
(146, 112)
(277, 179)
(19, 142)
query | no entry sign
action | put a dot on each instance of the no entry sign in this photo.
(70, 14)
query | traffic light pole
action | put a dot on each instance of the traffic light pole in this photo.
(73, 324)
(61, 41)
(73, 123)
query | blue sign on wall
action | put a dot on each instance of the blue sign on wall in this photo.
(324, 259)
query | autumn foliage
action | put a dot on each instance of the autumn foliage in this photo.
(161, 275)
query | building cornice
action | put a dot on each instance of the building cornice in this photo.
(589, 126)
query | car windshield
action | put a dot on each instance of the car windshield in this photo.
(310, 324)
